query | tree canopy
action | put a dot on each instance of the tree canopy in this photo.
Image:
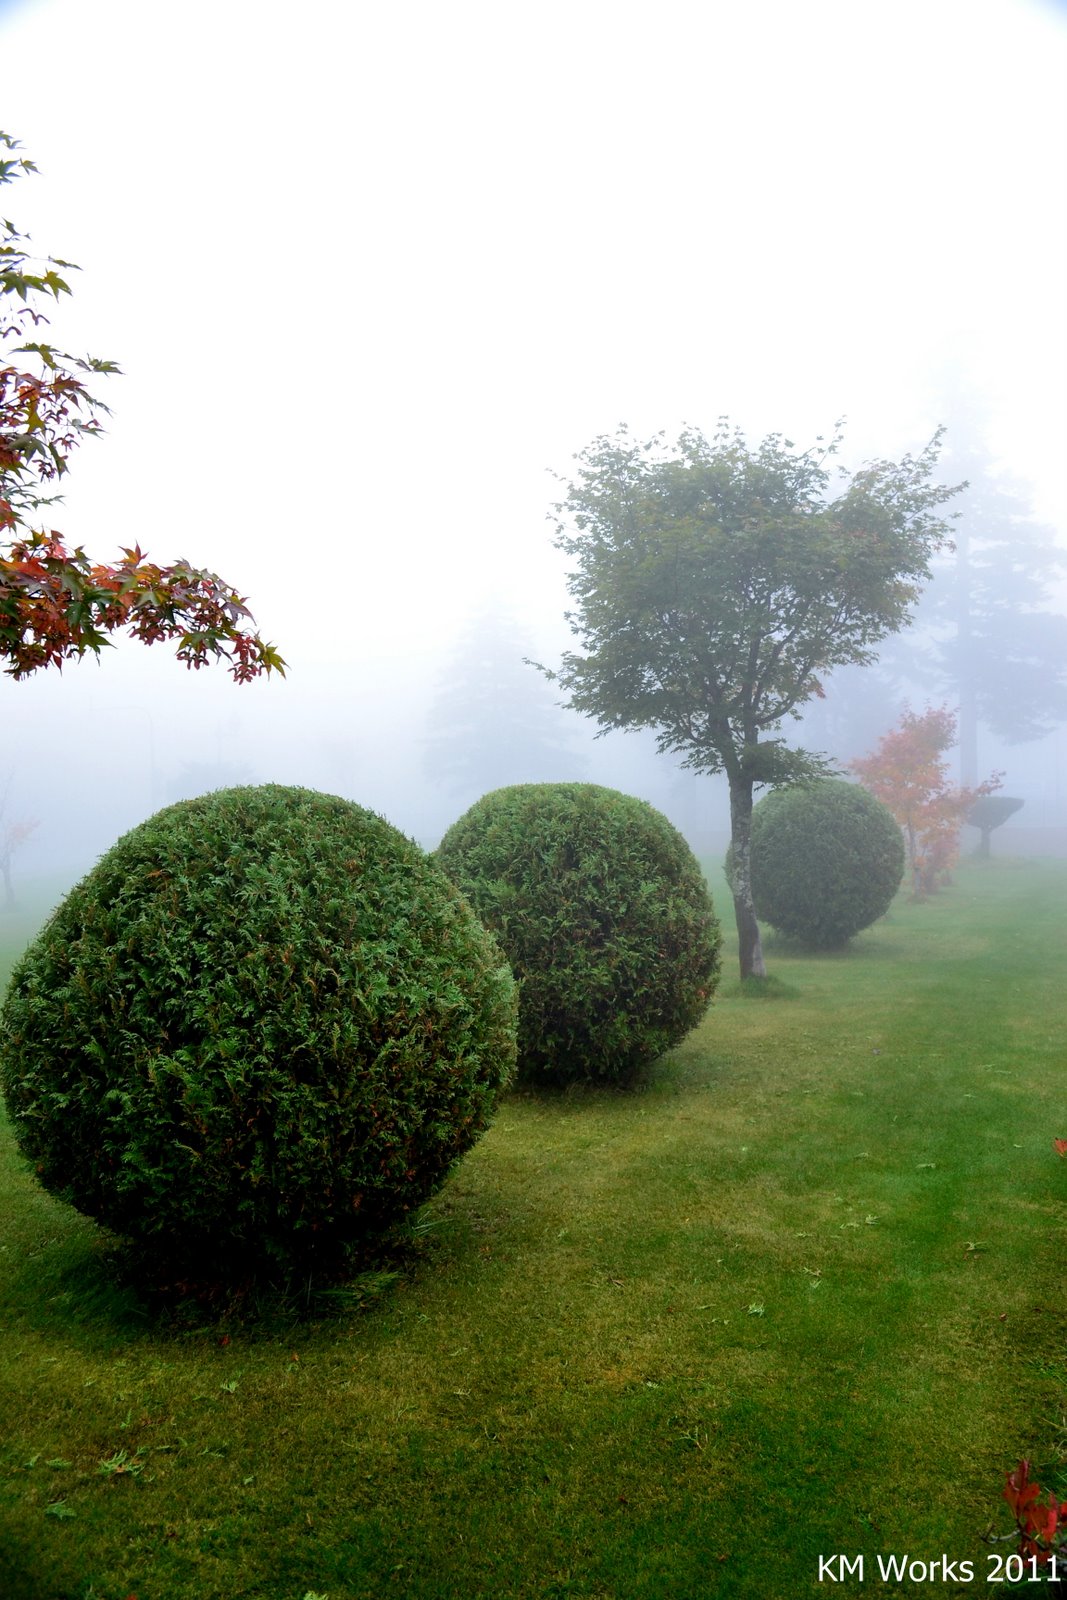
(715, 584)
(56, 603)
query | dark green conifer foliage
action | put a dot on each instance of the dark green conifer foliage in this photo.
(257, 1034)
(827, 859)
(604, 914)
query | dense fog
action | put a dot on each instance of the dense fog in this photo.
(373, 280)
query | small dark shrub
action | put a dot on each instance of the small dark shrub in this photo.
(257, 1034)
(989, 812)
(827, 859)
(605, 917)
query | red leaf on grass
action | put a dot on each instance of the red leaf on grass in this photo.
(1019, 1492)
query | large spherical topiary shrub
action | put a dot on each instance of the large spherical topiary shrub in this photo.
(603, 912)
(827, 859)
(257, 1034)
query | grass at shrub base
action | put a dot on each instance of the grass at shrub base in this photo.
(801, 1294)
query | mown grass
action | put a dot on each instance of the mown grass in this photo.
(799, 1294)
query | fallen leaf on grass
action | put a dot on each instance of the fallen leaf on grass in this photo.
(121, 1465)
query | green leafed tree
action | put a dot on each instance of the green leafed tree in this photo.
(714, 585)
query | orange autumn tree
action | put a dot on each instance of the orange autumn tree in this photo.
(56, 603)
(908, 773)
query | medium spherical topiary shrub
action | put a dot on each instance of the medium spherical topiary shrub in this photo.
(257, 1034)
(827, 859)
(603, 912)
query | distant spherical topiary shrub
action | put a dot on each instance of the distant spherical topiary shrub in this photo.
(827, 859)
(257, 1034)
(603, 912)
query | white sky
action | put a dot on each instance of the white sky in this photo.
(371, 270)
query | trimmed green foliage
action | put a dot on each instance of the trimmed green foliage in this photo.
(827, 859)
(603, 912)
(257, 1034)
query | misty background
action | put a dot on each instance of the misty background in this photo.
(375, 274)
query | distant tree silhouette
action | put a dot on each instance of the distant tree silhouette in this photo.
(14, 831)
(989, 812)
(986, 633)
(201, 777)
(494, 721)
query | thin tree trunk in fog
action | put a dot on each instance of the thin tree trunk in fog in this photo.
(750, 949)
(968, 737)
(967, 724)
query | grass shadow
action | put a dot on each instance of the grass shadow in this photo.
(76, 1282)
(751, 988)
(189, 1302)
(102, 1288)
(591, 1091)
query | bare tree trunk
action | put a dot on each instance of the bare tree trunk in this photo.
(913, 864)
(9, 888)
(968, 737)
(967, 723)
(750, 950)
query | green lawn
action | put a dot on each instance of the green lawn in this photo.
(800, 1295)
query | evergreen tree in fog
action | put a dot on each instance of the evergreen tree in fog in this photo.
(494, 721)
(987, 635)
(987, 638)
